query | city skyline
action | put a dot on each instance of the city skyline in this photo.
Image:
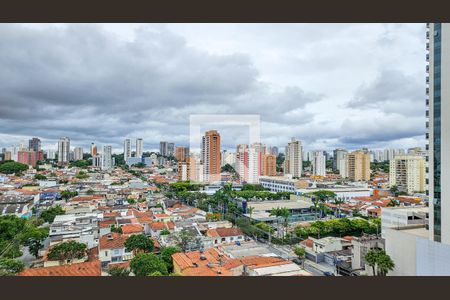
(379, 105)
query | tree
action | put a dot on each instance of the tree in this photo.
(188, 240)
(33, 237)
(139, 242)
(323, 195)
(80, 163)
(338, 202)
(12, 167)
(40, 177)
(250, 210)
(165, 231)
(301, 253)
(384, 263)
(50, 214)
(66, 194)
(394, 190)
(118, 272)
(10, 267)
(227, 168)
(166, 256)
(284, 214)
(115, 228)
(82, 175)
(144, 264)
(372, 258)
(67, 251)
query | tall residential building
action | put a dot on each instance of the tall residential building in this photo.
(358, 166)
(139, 147)
(211, 156)
(34, 144)
(269, 164)
(107, 161)
(181, 153)
(319, 164)
(407, 172)
(7, 155)
(293, 158)
(273, 150)
(227, 157)
(164, 148)
(93, 149)
(78, 153)
(63, 150)
(170, 149)
(255, 162)
(340, 162)
(29, 157)
(51, 154)
(126, 149)
(242, 162)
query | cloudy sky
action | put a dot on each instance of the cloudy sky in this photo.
(329, 85)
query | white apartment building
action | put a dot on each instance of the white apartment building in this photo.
(407, 172)
(319, 164)
(78, 153)
(107, 162)
(63, 150)
(139, 147)
(293, 162)
(227, 157)
(126, 149)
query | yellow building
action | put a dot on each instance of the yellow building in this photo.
(407, 172)
(358, 165)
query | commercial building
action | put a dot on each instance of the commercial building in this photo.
(78, 153)
(126, 149)
(293, 158)
(420, 249)
(318, 164)
(139, 147)
(407, 172)
(358, 166)
(63, 150)
(211, 156)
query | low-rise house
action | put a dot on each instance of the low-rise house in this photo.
(225, 235)
(112, 249)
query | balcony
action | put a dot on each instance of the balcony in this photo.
(427, 135)
(427, 124)
(427, 102)
(427, 113)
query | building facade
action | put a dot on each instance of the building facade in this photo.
(293, 162)
(358, 166)
(318, 164)
(407, 172)
(63, 150)
(139, 147)
(211, 156)
(126, 149)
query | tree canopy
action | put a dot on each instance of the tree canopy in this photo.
(12, 167)
(166, 256)
(144, 264)
(67, 251)
(139, 242)
(49, 214)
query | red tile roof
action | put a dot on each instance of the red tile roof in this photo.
(112, 240)
(91, 268)
(224, 232)
(132, 228)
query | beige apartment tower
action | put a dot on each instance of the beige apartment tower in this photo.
(358, 166)
(407, 172)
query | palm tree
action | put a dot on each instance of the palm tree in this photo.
(338, 202)
(371, 258)
(384, 263)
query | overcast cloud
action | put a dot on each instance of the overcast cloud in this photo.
(330, 85)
